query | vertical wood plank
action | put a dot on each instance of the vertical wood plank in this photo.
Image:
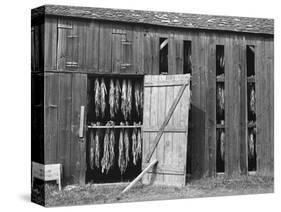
(211, 105)
(82, 28)
(169, 136)
(243, 107)
(50, 43)
(269, 46)
(32, 49)
(82, 143)
(75, 39)
(172, 54)
(232, 93)
(155, 52)
(196, 108)
(51, 86)
(39, 40)
(176, 124)
(92, 46)
(146, 122)
(105, 47)
(260, 105)
(64, 119)
(148, 54)
(127, 48)
(62, 43)
(75, 113)
(117, 48)
(153, 114)
(204, 86)
(179, 54)
(237, 78)
(161, 99)
(138, 50)
(228, 107)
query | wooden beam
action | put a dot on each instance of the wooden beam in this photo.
(163, 44)
(140, 175)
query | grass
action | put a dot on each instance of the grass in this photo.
(96, 194)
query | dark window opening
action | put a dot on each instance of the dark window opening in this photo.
(187, 69)
(220, 103)
(187, 65)
(220, 157)
(251, 108)
(250, 60)
(220, 109)
(163, 55)
(252, 154)
(220, 60)
(251, 99)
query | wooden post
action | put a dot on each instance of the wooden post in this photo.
(140, 176)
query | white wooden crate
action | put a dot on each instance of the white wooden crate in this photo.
(47, 172)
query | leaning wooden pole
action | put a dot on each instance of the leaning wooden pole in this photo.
(140, 176)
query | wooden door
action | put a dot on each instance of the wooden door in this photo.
(65, 93)
(165, 128)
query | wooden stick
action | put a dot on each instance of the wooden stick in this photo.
(140, 176)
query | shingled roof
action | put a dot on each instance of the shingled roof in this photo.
(171, 19)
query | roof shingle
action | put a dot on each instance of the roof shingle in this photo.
(171, 19)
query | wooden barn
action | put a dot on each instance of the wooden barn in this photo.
(225, 64)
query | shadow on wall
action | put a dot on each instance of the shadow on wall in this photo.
(196, 142)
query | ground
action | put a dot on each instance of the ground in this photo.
(95, 194)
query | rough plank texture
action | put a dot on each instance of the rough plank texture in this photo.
(211, 106)
(51, 100)
(172, 148)
(50, 43)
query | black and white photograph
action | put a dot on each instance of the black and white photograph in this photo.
(132, 105)
(140, 105)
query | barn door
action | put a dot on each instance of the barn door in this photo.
(165, 127)
(71, 92)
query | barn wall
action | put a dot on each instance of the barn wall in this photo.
(84, 46)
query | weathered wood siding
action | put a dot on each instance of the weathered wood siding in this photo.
(64, 95)
(85, 46)
(171, 151)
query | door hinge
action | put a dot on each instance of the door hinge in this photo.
(126, 42)
(71, 64)
(65, 26)
(72, 36)
(125, 65)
